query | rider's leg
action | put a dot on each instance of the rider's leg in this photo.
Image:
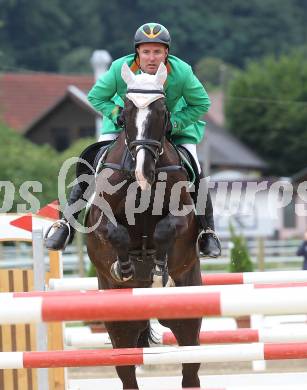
(63, 229)
(209, 244)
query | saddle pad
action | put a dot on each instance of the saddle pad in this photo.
(188, 162)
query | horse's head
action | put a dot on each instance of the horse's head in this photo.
(145, 121)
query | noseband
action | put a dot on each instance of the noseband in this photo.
(153, 146)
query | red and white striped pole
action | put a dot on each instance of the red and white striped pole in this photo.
(97, 293)
(207, 279)
(157, 355)
(144, 303)
(280, 334)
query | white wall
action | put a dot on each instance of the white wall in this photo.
(253, 213)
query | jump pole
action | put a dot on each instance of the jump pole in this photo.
(207, 279)
(39, 284)
(281, 334)
(157, 355)
(217, 288)
(143, 304)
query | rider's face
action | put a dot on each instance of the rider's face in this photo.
(151, 55)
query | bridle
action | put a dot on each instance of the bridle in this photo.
(155, 147)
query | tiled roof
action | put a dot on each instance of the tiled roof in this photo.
(24, 97)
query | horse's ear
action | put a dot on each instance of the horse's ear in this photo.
(161, 74)
(126, 73)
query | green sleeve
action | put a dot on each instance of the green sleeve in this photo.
(197, 104)
(102, 92)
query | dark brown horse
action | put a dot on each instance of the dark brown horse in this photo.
(145, 237)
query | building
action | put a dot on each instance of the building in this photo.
(294, 216)
(47, 108)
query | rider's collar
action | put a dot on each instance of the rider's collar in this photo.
(135, 67)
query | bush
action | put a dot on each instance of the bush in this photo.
(22, 161)
(240, 260)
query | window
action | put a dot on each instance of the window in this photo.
(88, 131)
(61, 138)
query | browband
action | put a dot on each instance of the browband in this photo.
(146, 91)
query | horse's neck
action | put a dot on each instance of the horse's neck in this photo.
(116, 153)
(170, 155)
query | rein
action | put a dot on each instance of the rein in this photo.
(153, 146)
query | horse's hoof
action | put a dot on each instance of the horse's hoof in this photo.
(161, 278)
(170, 282)
(157, 281)
(116, 274)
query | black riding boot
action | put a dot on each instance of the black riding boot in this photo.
(209, 244)
(63, 231)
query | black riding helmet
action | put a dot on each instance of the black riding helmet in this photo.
(152, 33)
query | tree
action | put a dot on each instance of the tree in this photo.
(38, 34)
(266, 108)
(74, 151)
(239, 257)
(23, 162)
(213, 72)
(77, 61)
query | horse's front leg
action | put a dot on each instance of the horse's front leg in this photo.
(122, 270)
(126, 335)
(165, 234)
(187, 334)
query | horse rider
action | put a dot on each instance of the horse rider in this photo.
(186, 100)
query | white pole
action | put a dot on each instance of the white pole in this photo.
(100, 62)
(257, 323)
(39, 285)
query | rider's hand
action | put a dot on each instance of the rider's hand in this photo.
(121, 117)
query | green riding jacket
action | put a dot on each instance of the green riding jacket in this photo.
(186, 98)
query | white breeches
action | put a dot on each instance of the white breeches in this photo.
(108, 137)
(192, 149)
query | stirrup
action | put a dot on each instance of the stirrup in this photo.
(56, 225)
